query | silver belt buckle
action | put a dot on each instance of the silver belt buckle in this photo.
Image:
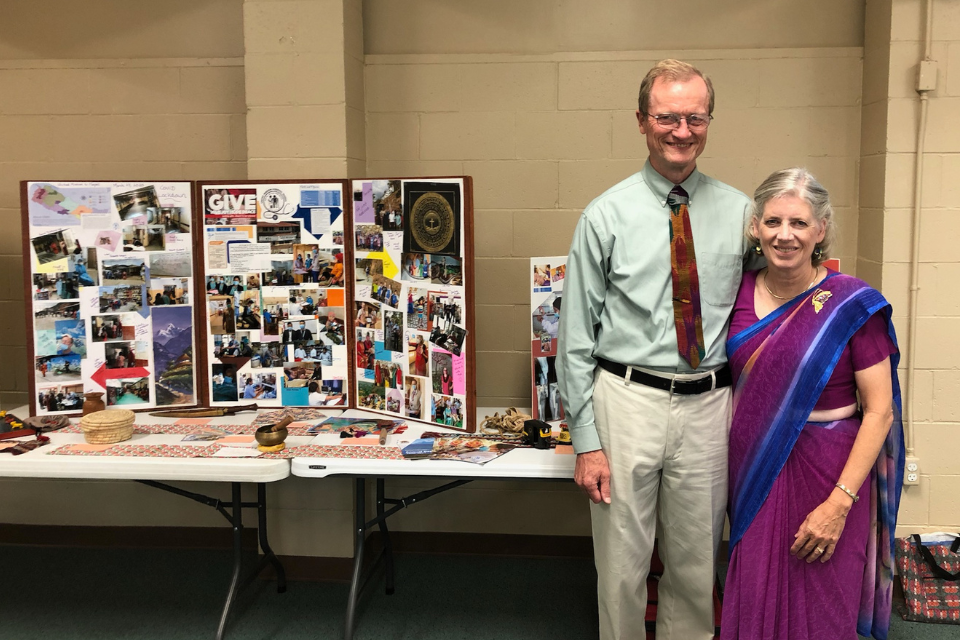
(672, 382)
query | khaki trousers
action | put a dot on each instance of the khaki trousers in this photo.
(668, 457)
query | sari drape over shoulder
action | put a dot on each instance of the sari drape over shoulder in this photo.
(781, 364)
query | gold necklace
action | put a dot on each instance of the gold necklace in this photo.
(767, 287)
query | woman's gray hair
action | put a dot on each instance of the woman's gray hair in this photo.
(798, 182)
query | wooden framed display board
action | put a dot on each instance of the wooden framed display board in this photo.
(109, 270)
(285, 293)
(412, 301)
(274, 265)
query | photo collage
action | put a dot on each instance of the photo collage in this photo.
(111, 293)
(546, 296)
(275, 293)
(409, 299)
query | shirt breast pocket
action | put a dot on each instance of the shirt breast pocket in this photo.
(719, 277)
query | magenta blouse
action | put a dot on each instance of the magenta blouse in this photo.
(870, 345)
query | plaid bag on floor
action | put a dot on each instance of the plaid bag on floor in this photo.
(929, 569)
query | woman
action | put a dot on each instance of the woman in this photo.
(810, 558)
(446, 382)
(414, 401)
(420, 357)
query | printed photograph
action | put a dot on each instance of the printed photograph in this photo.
(120, 298)
(222, 314)
(414, 394)
(223, 285)
(415, 267)
(64, 397)
(128, 391)
(123, 355)
(557, 273)
(369, 237)
(418, 309)
(267, 355)
(310, 351)
(306, 263)
(47, 314)
(259, 386)
(68, 337)
(55, 286)
(124, 271)
(388, 374)
(388, 204)
(281, 237)
(450, 339)
(173, 355)
(330, 268)
(368, 269)
(332, 326)
(371, 396)
(297, 375)
(84, 267)
(276, 307)
(170, 265)
(442, 369)
(248, 310)
(446, 310)
(418, 355)
(368, 315)
(393, 331)
(232, 346)
(171, 219)
(58, 245)
(386, 291)
(135, 203)
(111, 327)
(366, 349)
(546, 317)
(445, 270)
(306, 302)
(58, 368)
(299, 330)
(547, 391)
(224, 379)
(447, 411)
(541, 275)
(144, 238)
(167, 291)
(395, 401)
(326, 393)
(280, 274)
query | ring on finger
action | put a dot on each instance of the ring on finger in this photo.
(820, 550)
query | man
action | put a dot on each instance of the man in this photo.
(303, 333)
(289, 335)
(642, 367)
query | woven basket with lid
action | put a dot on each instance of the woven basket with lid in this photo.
(107, 427)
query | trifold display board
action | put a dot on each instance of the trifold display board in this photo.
(308, 293)
(109, 275)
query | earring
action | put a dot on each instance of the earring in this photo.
(818, 252)
(757, 250)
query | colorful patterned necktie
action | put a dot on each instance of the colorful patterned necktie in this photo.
(686, 282)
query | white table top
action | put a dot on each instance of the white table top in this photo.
(40, 464)
(519, 463)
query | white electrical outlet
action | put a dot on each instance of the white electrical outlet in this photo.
(912, 471)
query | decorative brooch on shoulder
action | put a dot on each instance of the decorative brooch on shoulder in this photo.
(820, 298)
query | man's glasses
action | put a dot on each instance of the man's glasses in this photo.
(695, 121)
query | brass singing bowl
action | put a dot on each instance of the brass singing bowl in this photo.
(271, 435)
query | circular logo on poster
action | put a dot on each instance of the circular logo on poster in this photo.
(273, 200)
(431, 222)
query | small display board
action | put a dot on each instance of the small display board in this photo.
(546, 297)
(109, 270)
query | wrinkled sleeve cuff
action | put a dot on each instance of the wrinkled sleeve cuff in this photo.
(585, 438)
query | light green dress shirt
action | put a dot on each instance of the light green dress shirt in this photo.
(618, 291)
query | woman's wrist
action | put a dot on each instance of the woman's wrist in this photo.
(841, 499)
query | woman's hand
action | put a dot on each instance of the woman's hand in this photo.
(818, 535)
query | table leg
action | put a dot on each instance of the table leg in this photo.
(268, 554)
(359, 539)
(237, 522)
(385, 534)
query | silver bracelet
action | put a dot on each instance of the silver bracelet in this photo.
(847, 491)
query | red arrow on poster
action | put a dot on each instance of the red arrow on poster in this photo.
(101, 375)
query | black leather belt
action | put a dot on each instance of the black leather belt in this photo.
(683, 387)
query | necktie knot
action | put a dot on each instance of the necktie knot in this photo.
(677, 196)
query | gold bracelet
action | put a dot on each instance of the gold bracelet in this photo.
(847, 491)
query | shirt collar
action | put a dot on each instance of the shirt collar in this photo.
(661, 187)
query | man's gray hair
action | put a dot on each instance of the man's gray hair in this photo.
(672, 70)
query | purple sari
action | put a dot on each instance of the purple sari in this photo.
(782, 467)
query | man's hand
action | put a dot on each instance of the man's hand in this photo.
(592, 474)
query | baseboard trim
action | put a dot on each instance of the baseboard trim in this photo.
(124, 537)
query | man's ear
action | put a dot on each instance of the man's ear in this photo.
(641, 121)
